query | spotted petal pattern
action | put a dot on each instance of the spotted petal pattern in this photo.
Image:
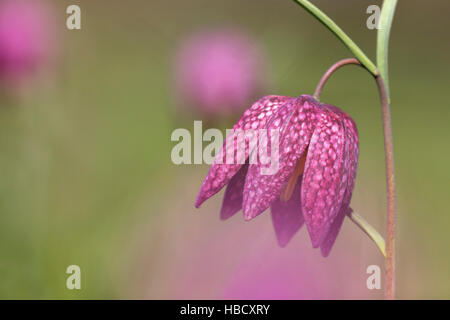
(350, 166)
(261, 190)
(220, 173)
(323, 184)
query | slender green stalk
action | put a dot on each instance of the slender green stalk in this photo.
(370, 231)
(384, 31)
(386, 18)
(333, 27)
(390, 184)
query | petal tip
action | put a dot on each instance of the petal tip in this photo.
(325, 251)
(226, 214)
(316, 240)
(199, 201)
(251, 212)
(282, 243)
(315, 244)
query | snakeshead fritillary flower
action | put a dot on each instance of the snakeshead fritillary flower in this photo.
(318, 158)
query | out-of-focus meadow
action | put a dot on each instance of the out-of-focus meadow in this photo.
(87, 178)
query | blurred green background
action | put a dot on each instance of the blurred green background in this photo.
(85, 155)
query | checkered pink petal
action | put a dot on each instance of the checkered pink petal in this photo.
(324, 183)
(261, 190)
(220, 173)
(350, 166)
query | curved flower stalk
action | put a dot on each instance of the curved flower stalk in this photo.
(317, 169)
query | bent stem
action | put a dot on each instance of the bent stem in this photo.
(338, 32)
(369, 230)
(390, 177)
(330, 71)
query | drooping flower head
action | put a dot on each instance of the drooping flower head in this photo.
(218, 72)
(25, 38)
(318, 158)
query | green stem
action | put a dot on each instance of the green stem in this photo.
(386, 18)
(369, 230)
(333, 27)
(384, 32)
(390, 187)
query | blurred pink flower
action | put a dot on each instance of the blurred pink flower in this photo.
(25, 39)
(218, 72)
(317, 169)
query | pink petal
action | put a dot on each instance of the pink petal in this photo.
(350, 166)
(232, 201)
(287, 217)
(351, 161)
(220, 173)
(324, 179)
(261, 190)
(328, 242)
